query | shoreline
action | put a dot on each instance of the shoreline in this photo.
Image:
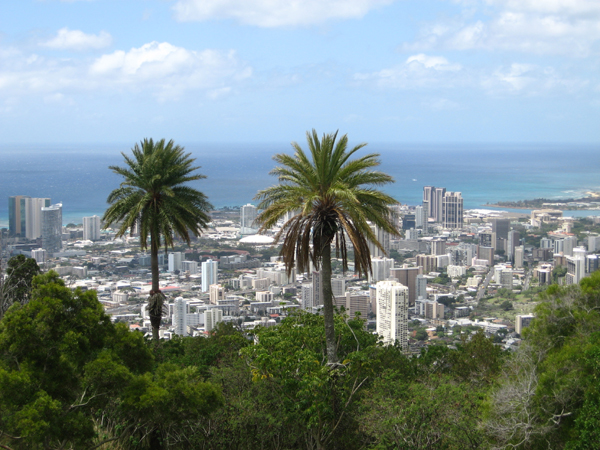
(565, 204)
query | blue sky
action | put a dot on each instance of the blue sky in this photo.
(268, 70)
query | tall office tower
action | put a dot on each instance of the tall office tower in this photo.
(519, 252)
(180, 312)
(381, 269)
(506, 279)
(33, 216)
(217, 293)
(338, 287)
(16, 215)
(52, 228)
(513, 242)
(248, 215)
(175, 260)
(523, 321)
(570, 244)
(429, 200)
(392, 312)
(487, 240)
(209, 274)
(501, 228)
(439, 201)
(211, 318)
(452, 210)
(546, 243)
(486, 253)
(317, 282)
(409, 221)
(91, 228)
(421, 293)
(407, 276)
(189, 266)
(427, 262)
(438, 247)
(383, 237)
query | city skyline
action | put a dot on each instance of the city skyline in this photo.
(257, 71)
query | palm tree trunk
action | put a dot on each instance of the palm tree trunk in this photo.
(328, 306)
(155, 286)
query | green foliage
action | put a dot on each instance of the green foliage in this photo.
(506, 305)
(16, 286)
(421, 335)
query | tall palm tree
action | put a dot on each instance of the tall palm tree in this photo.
(154, 198)
(331, 198)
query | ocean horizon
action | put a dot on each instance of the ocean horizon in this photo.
(78, 175)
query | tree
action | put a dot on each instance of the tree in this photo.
(331, 198)
(154, 198)
(16, 287)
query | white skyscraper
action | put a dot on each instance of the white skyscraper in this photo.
(248, 215)
(91, 228)
(175, 260)
(452, 210)
(179, 316)
(381, 269)
(33, 216)
(392, 312)
(209, 274)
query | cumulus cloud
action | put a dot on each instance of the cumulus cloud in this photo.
(275, 13)
(162, 70)
(567, 27)
(67, 39)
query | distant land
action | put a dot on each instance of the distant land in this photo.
(591, 201)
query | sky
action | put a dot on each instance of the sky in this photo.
(433, 71)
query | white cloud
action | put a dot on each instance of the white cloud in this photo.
(419, 71)
(567, 27)
(530, 80)
(275, 13)
(158, 69)
(67, 39)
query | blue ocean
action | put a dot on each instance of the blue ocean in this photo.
(78, 175)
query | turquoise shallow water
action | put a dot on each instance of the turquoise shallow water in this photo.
(78, 176)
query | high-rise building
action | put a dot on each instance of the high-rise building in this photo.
(40, 255)
(175, 260)
(307, 296)
(407, 276)
(519, 252)
(353, 303)
(189, 266)
(317, 282)
(248, 215)
(501, 228)
(381, 269)
(217, 292)
(16, 215)
(486, 253)
(421, 284)
(421, 217)
(52, 228)
(91, 228)
(180, 312)
(209, 274)
(212, 317)
(429, 200)
(514, 238)
(383, 237)
(427, 262)
(452, 210)
(523, 321)
(338, 287)
(439, 201)
(438, 247)
(392, 312)
(33, 216)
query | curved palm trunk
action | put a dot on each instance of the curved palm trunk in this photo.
(328, 306)
(155, 286)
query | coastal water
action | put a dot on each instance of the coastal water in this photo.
(79, 177)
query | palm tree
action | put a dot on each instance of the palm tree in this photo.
(331, 198)
(154, 198)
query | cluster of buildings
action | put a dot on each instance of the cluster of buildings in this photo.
(447, 252)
